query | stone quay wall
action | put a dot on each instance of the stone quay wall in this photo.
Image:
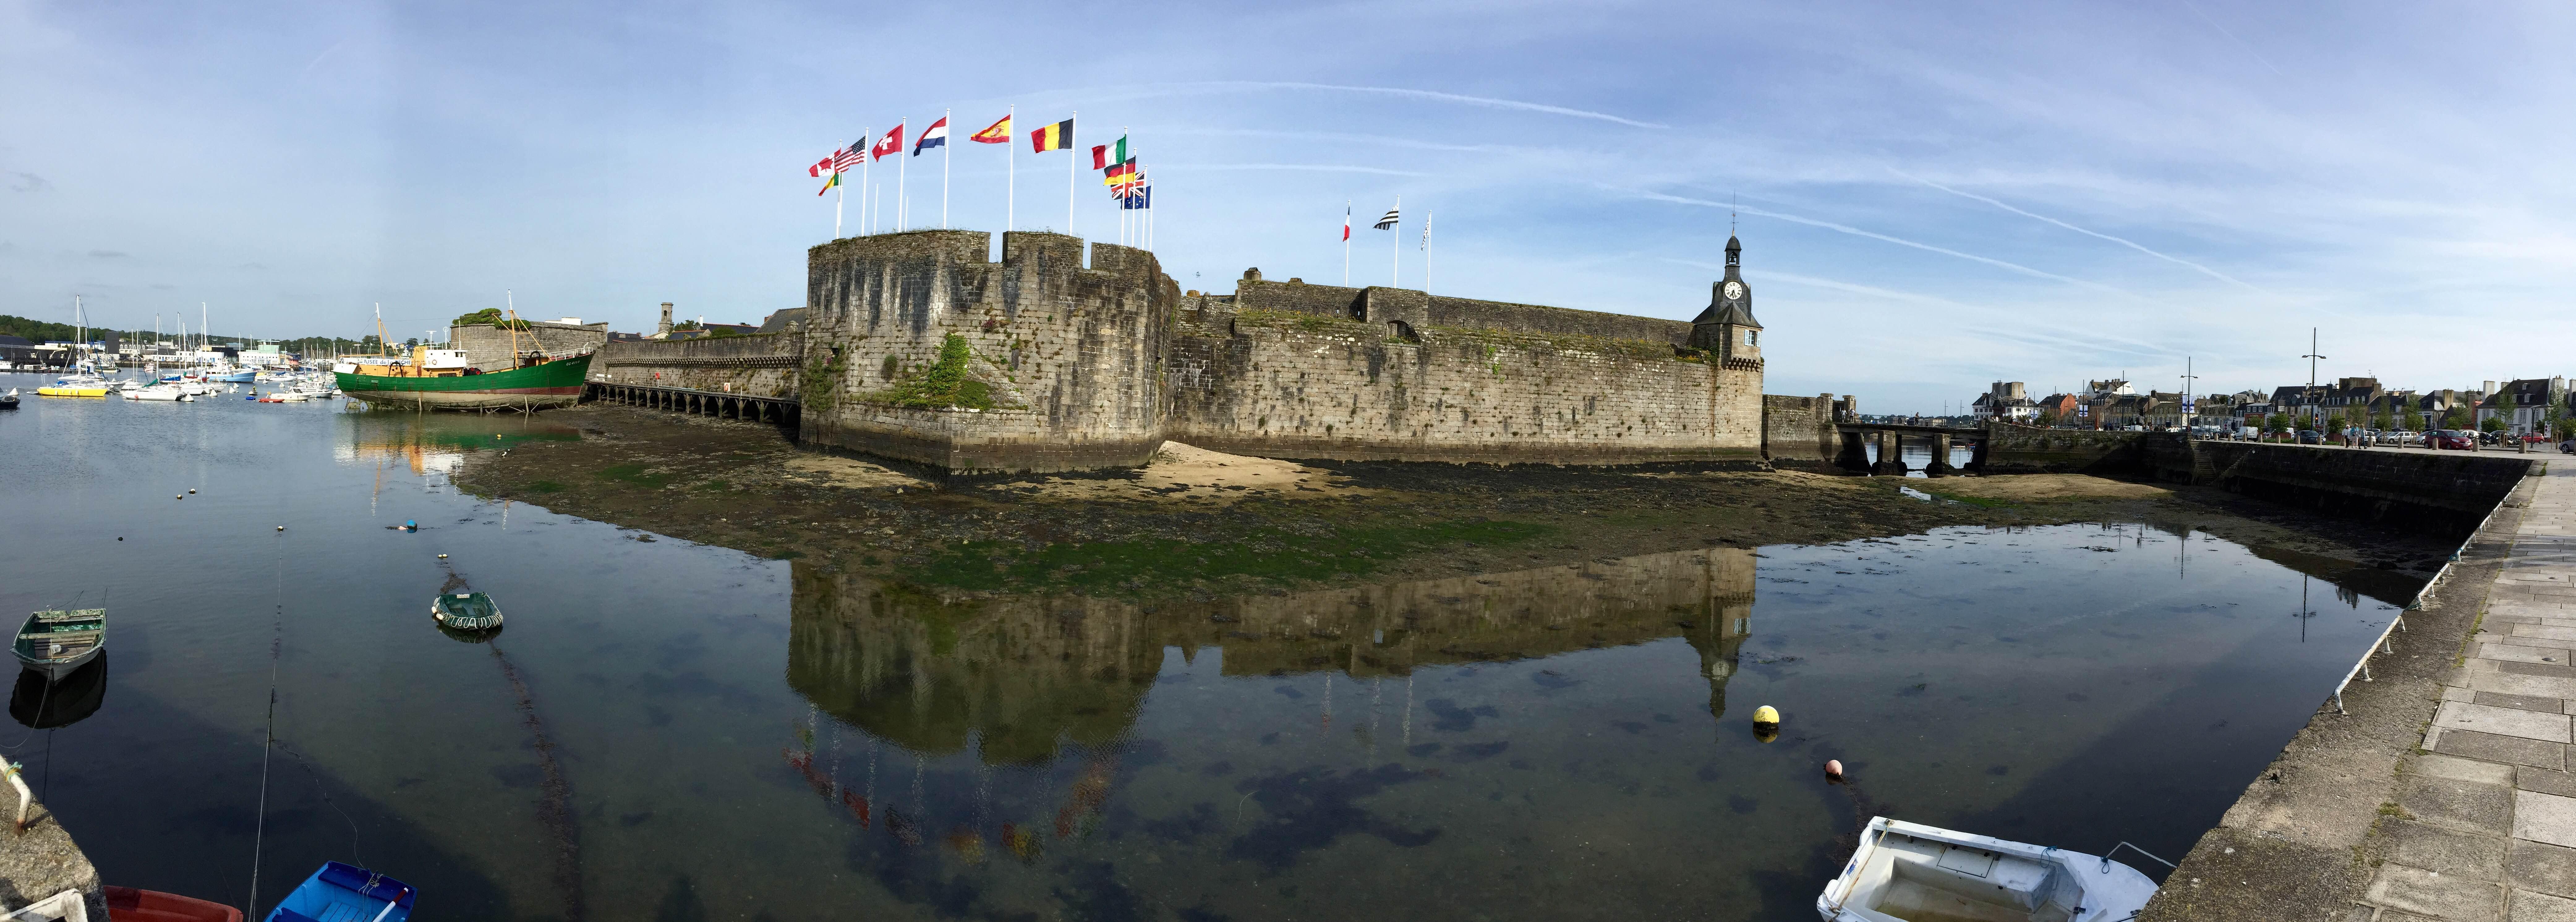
(2451, 489)
(2027, 450)
(1070, 355)
(488, 347)
(763, 365)
(1306, 385)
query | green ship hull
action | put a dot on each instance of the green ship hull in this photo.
(553, 384)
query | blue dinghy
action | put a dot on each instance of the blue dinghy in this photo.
(340, 893)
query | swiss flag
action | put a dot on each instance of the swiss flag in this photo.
(890, 146)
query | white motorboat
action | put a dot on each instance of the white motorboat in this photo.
(1909, 872)
(158, 392)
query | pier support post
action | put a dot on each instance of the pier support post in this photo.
(1854, 456)
(1891, 454)
(1940, 466)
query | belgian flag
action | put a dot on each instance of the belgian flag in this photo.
(1058, 136)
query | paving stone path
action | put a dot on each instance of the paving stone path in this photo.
(2484, 825)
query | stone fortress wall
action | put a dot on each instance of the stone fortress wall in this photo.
(761, 365)
(1093, 366)
(488, 347)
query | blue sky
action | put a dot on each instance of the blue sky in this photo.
(1932, 196)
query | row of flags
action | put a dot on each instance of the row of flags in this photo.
(1120, 171)
(1394, 216)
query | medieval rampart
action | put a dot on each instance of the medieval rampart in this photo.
(489, 347)
(763, 365)
(1059, 366)
(1302, 385)
(1799, 431)
(919, 348)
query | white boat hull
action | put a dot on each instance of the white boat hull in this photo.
(1909, 872)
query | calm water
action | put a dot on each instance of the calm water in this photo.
(675, 731)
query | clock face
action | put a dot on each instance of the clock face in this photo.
(1734, 290)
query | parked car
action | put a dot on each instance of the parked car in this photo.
(2451, 439)
(2535, 437)
(2311, 437)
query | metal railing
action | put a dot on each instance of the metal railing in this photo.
(2398, 623)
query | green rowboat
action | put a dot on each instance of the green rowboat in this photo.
(465, 611)
(551, 384)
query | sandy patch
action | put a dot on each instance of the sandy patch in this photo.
(847, 472)
(1188, 473)
(2042, 487)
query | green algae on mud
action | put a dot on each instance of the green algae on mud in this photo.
(1274, 555)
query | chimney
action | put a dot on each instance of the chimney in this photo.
(665, 328)
(2489, 386)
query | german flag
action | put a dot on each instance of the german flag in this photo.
(1058, 136)
(1121, 174)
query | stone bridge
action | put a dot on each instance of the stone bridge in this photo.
(741, 377)
(1890, 437)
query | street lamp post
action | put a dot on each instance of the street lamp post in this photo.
(2188, 416)
(2316, 411)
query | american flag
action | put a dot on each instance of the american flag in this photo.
(850, 156)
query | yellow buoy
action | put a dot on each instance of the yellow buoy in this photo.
(442, 557)
(1765, 715)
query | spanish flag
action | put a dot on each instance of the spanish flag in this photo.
(1058, 136)
(998, 133)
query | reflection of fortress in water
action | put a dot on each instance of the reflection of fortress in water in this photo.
(1024, 673)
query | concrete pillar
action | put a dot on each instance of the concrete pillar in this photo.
(1940, 466)
(1854, 454)
(1891, 454)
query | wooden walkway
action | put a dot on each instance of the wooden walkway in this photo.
(781, 410)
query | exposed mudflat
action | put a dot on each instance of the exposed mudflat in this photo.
(1200, 523)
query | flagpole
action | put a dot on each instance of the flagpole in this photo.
(1346, 243)
(1426, 251)
(1011, 173)
(867, 152)
(944, 152)
(837, 202)
(1125, 220)
(1068, 179)
(1398, 266)
(902, 170)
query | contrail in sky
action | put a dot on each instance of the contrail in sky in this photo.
(1899, 241)
(2090, 341)
(1311, 167)
(1434, 95)
(1150, 90)
(2212, 273)
(2231, 36)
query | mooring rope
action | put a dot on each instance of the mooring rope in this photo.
(555, 810)
(268, 737)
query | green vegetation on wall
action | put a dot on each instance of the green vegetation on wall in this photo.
(490, 316)
(944, 384)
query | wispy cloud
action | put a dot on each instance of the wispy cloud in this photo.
(2231, 36)
(27, 182)
(1874, 235)
(2131, 244)
(1306, 167)
(108, 254)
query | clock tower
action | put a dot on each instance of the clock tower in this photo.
(1727, 330)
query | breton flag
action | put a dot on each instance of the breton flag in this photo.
(1388, 221)
(890, 145)
(1058, 136)
(1104, 156)
(996, 133)
(934, 136)
(1346, 222)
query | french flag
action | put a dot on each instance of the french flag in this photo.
(934, 136)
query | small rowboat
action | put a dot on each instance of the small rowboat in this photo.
(57, 642)
(341, 893)
(126, 904)
(466, 611)
(1909, 872)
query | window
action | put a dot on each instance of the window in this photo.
(1750, 337)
